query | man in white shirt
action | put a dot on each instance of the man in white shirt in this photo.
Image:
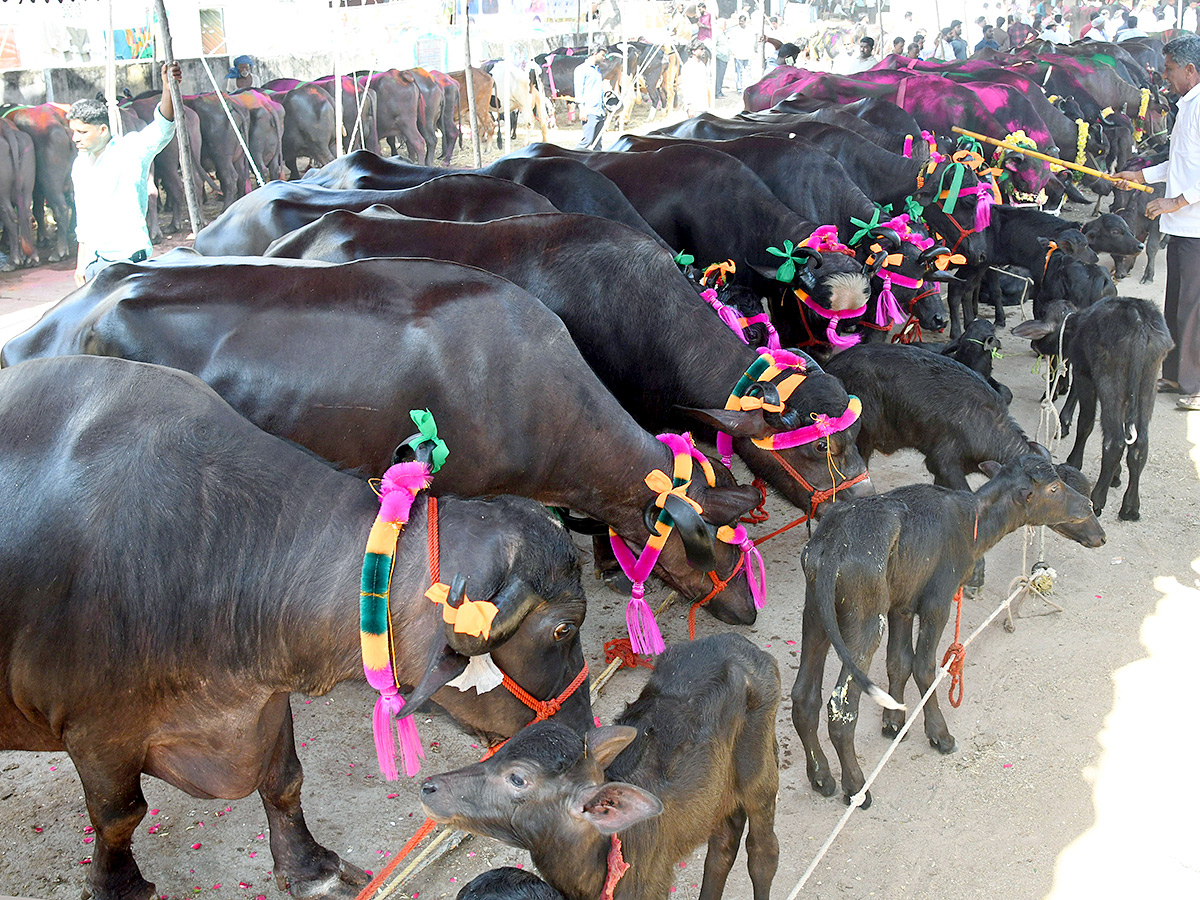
(1180, 219)
(109, 176)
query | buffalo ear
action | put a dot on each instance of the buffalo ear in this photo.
(615, 805)
(1032, 329)
(605, 743)
(990, 468)
(734, 422)
(725, 505)
(1035, 447)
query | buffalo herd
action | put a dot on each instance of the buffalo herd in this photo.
(191, 447)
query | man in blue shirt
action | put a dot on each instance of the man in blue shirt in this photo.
(589, 97)
(109, 176)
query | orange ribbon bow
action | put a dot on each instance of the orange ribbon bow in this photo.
(472, 617)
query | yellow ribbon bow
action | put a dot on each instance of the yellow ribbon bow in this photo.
(472, 617)
(658, 482)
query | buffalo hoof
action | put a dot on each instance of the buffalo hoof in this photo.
(866, 804)
(1132, 514)
(823, 784)
(892, 725)
(1147, 278)
(945, 744)
(344, 883)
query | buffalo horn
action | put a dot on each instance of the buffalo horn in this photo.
(928, 256)
(888, 236)
(514, 601)
(764, 390)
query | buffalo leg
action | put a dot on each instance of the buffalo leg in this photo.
(806, 701)
(1136, 458)
(1085, 394)
(762, 846)
(842, 714)
(933, 621)
(308, 869)
(113, 793)
(722, 851)
(899, 667)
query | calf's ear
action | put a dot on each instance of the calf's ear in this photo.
(990, 468)
(1032, 329)
(616, 805)
(606, 742)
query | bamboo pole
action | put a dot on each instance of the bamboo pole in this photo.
(181, 131)
(1087, 170)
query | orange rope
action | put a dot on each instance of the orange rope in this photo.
(956, 655)
(432, 529)
(622, 649)
(422, 833)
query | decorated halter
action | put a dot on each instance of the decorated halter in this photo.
(986, 192)
(738, 323)
(397, 491)
(934, 155)
(746, 396)
(1139, 132)
(644, 633)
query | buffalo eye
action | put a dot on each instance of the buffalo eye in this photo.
(564, 631)
(516, 780)
(1054, 488)
(822, 446)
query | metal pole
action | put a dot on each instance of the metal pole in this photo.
(181, 131)
(470, 81)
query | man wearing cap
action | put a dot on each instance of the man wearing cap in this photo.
(589, 97)
(239, 76)
(109, 176)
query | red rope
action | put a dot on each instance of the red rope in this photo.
(378, 880)
(432, 529)
(622, 649)
(956, 655)
(759, 514)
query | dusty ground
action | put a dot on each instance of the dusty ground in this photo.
(1070, 779)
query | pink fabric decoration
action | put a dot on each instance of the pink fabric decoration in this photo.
(729, 316)
(758, 586)
(822, 426)
(389, 705)
(834, 315)
(772, 334)
(887, 310)
(908, 146)
(902, 225)
(825, 239)
(399, 487)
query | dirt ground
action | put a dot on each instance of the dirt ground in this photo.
(1056, 790)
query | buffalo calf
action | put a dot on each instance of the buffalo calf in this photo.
(690, 761)
(891, 558)
(1115, 348)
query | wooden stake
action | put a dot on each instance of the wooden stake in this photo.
(1087, 170)
(181, 132)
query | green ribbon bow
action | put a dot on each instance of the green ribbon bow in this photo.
(956, 172)
(787, 269)
(427, 427)
(682, 259)
(970, 144)
(865, 228)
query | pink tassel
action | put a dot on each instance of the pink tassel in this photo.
(644, 635)
(387, 706)
(839, 340)
(983, 208)
(399, 487)
(887, 309)
(725, 448)
(908, 146)
(758, 586)
(410, 743)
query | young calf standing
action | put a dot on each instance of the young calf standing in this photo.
(902, 555)
(1116, 348)
(698, 746)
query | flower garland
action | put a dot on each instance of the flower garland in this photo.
(1081, 142)
(1139, 132)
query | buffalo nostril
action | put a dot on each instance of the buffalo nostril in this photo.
(429, 787)
(1141, 246)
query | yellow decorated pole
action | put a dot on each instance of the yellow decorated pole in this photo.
(1087, 170)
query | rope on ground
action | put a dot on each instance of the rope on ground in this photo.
(1018, 586)
(233, 124)
(1027, 283)
(1049, 433)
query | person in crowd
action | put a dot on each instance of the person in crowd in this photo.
(1130, 31)
(916, 50)
(866, 58)
(721, 55)
(693, 80)
(1179, 218)
(240, 75)
(589, 97)
(1019, 32)
(1056, 31)
(742, 43)
(704, 31)
(957, 41)
(898, 45)
(943, 48)
(1095, 30)
(1000, 35)
(109, 176)
(987, 42)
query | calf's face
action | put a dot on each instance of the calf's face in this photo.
(543, 791)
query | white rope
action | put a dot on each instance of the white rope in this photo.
(1027, 283)
(233, 124)
(1049, 420)
(858, 799)
(359, 119)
